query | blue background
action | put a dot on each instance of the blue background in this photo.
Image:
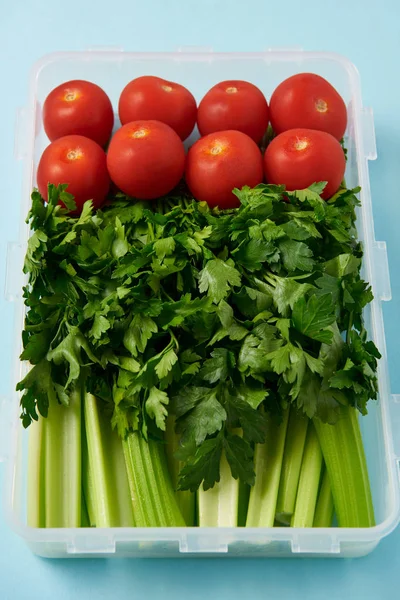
(367, 32)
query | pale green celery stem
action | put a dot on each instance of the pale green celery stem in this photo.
(310, 475)
(268, 465)
(218, 506)
(324, 510)
(152, 494)
(186, 498)
(36, 474)
(63, 486)
(291, 465)
(106, 482)
(346, 464)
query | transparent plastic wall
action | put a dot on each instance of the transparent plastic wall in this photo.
(199, 71)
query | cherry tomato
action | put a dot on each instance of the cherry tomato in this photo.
(79, 162)
(78, 108)
(219, 162)
(299, 157)
(309, 101)
(154, 98)
(234, 105)
(146, 159)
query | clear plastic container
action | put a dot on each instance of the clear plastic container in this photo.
(199, 70)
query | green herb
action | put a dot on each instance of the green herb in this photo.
(219, 318)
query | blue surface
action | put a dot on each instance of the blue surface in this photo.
(368, 33)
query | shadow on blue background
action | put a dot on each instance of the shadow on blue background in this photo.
(365, 31)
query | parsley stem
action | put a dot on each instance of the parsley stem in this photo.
(270, 279)
(173, 338)
(349, 328)
(291, 465)
(159, 206)
(324, 509)
(218, 506)
(346, 464)
(167, 295)
(186, 498)
(150, 231)
(310, 475)
(268, 464)
(171, 205)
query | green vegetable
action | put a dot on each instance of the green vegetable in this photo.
(347, 469)
(54, 467)
(185, 499)
(63, 463)
(268, 464)
(36, 513)
(221, 319)
(324, 509)
(218, 507)
(291, 466)
(310, 474)
(109, 502)
(153, 498)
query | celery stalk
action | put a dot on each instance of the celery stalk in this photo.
(346, 464)
(291, 465)
(268, 464)
(170, 513)
(63, 487)
(107, 489)
(310, 475)
(324, 509)
(36, 474)
(218, 506)
(153, 498)
(143, 511)
(186, 499)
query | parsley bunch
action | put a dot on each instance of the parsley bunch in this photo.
(221, 318)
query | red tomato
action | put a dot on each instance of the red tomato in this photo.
(308, 100)
(78, 108)
(146, 159)
(81, 163)
(299, 157)
(154, 98)
(219, 162)
(234, 105)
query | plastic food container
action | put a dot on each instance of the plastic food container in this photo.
(199, 70)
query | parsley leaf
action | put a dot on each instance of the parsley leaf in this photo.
(138, 334)
(218, 367)
(217, 278)
(206, 418)
(296, 256)
(156, 407)
(312, 317)
(203, 467)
